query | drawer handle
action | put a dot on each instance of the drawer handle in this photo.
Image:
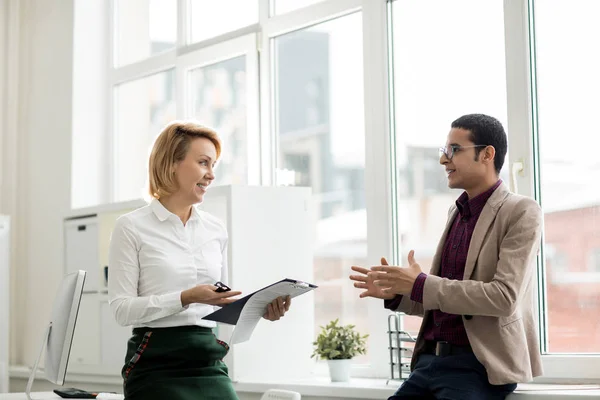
(81, 228)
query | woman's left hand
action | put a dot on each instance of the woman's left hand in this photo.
(277, 308)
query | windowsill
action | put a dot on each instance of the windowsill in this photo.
(359, 388)
(356, 388)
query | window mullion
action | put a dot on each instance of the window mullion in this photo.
(378, 167)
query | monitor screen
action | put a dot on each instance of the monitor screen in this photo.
(64, 317)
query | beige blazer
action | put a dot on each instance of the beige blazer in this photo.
(496, 295)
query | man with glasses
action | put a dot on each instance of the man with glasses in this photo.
(478, 337)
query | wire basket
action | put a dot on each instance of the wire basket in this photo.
(400, 347)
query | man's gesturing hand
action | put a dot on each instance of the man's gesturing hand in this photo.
(396, 280)
(364, 281)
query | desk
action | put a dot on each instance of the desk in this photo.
(42, 396)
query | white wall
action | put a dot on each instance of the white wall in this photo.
(89, 175)
(36, 149)
(9, 66)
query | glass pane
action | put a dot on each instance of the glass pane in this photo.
(219, 101)
(322, 145)
(568, 86)
(142, 109)
(284, 6)
(143, 28)
(210, 18)
(436, 80)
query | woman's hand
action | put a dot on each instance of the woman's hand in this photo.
(277, 308)
(206, 294)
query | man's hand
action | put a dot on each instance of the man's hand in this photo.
(396, 280)
(364, 281)
(277, 308)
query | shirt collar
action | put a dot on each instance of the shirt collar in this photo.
(159, 210)
(163, 214)
(467, 207)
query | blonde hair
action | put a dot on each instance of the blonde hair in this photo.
(170, 147)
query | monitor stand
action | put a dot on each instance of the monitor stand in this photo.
(37, 362)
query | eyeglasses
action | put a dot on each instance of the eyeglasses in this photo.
(454, 148)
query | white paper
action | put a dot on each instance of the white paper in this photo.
(256, 306)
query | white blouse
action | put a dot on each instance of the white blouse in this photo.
(153, 257)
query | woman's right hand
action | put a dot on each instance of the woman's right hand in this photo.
(206, 294)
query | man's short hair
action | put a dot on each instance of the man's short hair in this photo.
(488, 131)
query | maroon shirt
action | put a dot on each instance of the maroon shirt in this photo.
(442, 326)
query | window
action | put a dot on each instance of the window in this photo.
(594, 265)
(143, 107)
(159, 78)
(210, 18)
(218, 100)
(284, 6)
(567, 100)
(320, 131)
(435, 82)
(143, 28)
(378, 188)
(557, 262)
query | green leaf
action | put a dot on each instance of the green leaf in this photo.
(336, 342)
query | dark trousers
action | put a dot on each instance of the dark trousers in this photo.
(455, 377)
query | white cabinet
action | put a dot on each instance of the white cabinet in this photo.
(113, 338)
(271, 235)
(86, 340)
(81, 250)
(99, 343)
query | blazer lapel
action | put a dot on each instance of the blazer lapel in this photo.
(486, 218)
(437, 258)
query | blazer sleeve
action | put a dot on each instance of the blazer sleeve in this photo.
(516, 264)
(404, 304)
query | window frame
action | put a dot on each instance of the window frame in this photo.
(213, 54)
(374, 13)
(523, 166)
(183, 57)
(524, 170)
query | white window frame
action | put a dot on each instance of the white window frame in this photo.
(522, 164)
(213, 54)
(377, 179)
(184, 57)
(523, 168)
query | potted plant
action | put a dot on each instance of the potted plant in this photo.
(338, 344)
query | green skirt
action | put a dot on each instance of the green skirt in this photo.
(179, 363)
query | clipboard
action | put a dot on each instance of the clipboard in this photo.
(246, 312)
(230, 314)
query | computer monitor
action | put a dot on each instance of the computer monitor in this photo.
(58, 336)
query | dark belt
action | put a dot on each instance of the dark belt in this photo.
(443, 349)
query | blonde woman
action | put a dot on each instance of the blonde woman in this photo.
(164, 261)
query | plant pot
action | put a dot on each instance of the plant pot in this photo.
(339, 370)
